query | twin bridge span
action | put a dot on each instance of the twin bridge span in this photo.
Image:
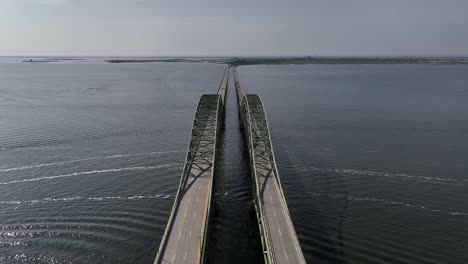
(184, 239)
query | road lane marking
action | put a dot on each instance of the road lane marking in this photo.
(185, 258)
(180, 233)
(173, 257)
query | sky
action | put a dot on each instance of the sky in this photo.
(233, 27)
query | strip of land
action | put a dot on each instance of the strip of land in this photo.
(304, 60)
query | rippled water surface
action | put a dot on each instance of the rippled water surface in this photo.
(373, 158)
(90, 156)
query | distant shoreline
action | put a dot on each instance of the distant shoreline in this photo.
(236, 61)
(305, 61)
(48, 60)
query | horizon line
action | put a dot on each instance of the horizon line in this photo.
(243, 56)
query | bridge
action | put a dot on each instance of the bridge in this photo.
(184, 239)
(279, 240)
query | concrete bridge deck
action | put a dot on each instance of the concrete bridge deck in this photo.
(185, 236)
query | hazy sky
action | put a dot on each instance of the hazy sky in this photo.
(233, 27)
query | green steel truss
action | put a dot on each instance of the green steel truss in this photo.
(251, 133)
(200, 154)
(262, 158)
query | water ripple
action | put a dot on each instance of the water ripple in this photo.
(389, 202)
(79, 198)
(85, 159)
(90, 173)
(434, 180)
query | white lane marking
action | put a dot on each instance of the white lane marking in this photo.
(173, 257)
(190, 234)
(279, 230)
(180, 233)
(286, 255)
(185, 258)
(274, 211)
